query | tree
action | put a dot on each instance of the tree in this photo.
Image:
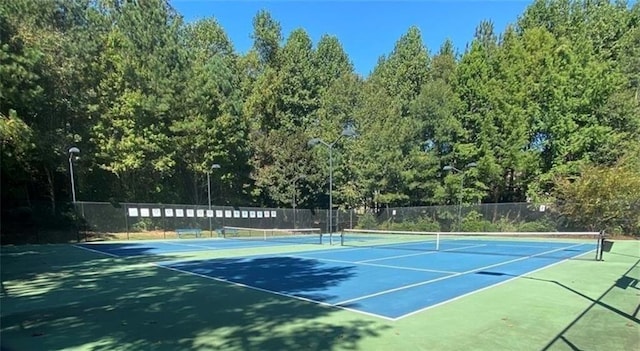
(43, 82)
(280, 159)
(142, 66)
(17, 144)
(299, 90)
(603, 198)
(331, 61)
(267, 36)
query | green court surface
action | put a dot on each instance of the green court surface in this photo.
(60, 297)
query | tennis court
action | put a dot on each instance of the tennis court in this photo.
(362, 293)
(383, 274)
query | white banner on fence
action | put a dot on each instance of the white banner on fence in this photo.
(133, 212)
(168, 212)
(190, 212)
(200, 213)
(179, 212)
(210, 213)
(144, 212)
(156, 212)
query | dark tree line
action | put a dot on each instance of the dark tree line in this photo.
(153, 102)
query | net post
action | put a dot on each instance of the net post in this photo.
(342, 237)
(600, 246)
(437, 241)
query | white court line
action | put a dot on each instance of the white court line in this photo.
(96, 251)
(448, 277)
(170, 242)
(336, 305)
(127, 256)
(420, 253)
(400, 245)
(488, 287)
(370, 264)
(322, 303)
(494, 244)
(188, 245)
(397, 256)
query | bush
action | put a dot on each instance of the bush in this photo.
(505, 225)
(542, 225)
(474, 222)
(142, 225)
(422, 224)
(603, 196)
(367, 221)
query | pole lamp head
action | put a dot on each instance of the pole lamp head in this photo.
(313, 142)
(349, 131)
(73, 152)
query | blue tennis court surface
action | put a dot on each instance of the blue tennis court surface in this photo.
(390, 283)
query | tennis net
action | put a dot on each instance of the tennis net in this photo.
(299, 235)
(561, 245)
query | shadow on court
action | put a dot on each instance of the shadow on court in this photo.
(598, 301)
(282, 274)
(122, 249)
(615, 293)
(61, 297)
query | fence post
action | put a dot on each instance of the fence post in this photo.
(126, 221)
(164, 222)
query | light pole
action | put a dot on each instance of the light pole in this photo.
(73, 151)
(347, 132)
(451, 168)
(213, 166)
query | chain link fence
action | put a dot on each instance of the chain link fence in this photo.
(499, 217)
(145, 221)
(64, 222)
(138, 220)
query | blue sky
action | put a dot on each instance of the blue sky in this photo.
(366, 29)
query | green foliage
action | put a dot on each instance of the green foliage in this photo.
(475, 222)
(548, 109)
(142, 225)
(367, 221)
(17, 140)
(267, 36)
(541, 225)
(603, 197)
(422, 224)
